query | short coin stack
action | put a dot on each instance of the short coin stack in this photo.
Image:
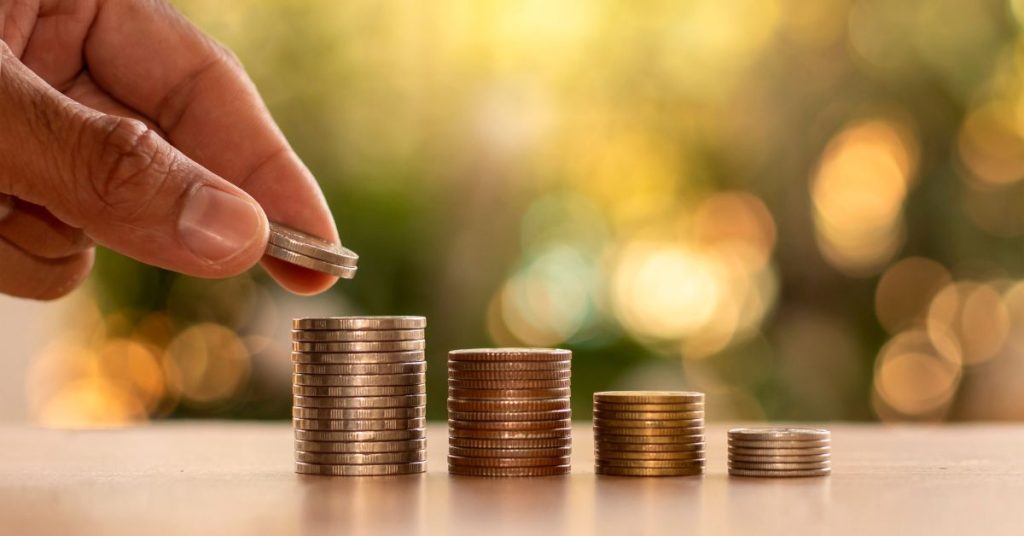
(359, 398)
(649, 433)
(308, 251)
(508, 412)
(779, 452)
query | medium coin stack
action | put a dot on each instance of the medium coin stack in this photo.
(308, 251)
(358, 395)
(649, 433)
(508, 412)
(780, 452)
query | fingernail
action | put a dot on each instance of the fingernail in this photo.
(6, 206)
(216, 225)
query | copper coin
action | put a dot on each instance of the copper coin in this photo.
(682, 438)
(648, 471)
(361, 446)
(399, 401)
(358, 380)
(464, 461)
(607, 433)
(626, 455)
(608, 406)
(356, 358)
(355, 347)
(377, 390)
(362, 413)
(508, 384)
(367, 369)
(361, 322)
(648, 424)
(510, 425)
(779, 434)
(353, 425)
(653, 464)
(648, 415)
(364, 435)
(508, 366)
(649, 397)
(510, 354)
(502, 376)
(557, 433)
(650, 447)
(510, 453)
(508, 393)
(499, 444)
(508, 472)
(498, 405)
(506, 416)
(360, 470)
(350, 458)
(358, 336)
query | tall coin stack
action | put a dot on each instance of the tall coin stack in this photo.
(508, 412)
(649, 433)
(780, 452)
(359, 397)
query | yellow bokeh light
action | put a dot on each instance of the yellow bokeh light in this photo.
(737, 223)
(91, 402)
(135, 368)
(208, 362)
(915, 376)
(906, 289)
(991, 146)
(975, 315)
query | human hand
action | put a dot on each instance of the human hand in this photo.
(124, 125)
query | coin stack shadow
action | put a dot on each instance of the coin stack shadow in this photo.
(358, 395)
(649, 433)
(780, 452)
(508, 412)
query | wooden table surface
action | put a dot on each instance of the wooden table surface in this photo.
(226, 478)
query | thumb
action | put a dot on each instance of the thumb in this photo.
(117, 179)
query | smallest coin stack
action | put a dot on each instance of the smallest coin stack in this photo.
(296, 247)
(649, 433)
(780, 452)
(359, 402)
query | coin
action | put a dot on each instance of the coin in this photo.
(360, 401)
(812, 458)
(312, 263)
(503, 376)
(313, 246)
(779, 434)
(462, 470)
(377, 390)
(602, 454)
(648, 415)
(465, 461)
(354, 358)
(682, 438)
(508, 393)
(649, 447)
(556, 433)
(608, 406)
(780, 474)
(369, 369)
(358, 380)
(368, 413)
(357, 336)
(348, 458)
(470, 443)
(652, 464)
(781, 452)
(360, 470)
(368, 346)
(360, 446)
(363, 435)
(551, 404)
(507, 366)
(779, 466)
(510, 416)
(508, 384)
(509, 453)
(360, 425)
(509, 425)
(649, 397)
(510, 354)
(360, 322)
(617, 424)
(769, 444)
(648, 471)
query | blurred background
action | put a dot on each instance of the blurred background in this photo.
(805, 209)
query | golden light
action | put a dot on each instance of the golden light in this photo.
(998, 211)
(208, 362)
(905, 291)
(738, 224)
(135, 369)
(975, 315)
(91, 402)
(917, 376)
(991, 146)
(1013, 299)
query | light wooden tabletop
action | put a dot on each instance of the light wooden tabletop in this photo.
(227, 478)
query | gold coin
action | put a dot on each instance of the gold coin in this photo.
(508, 472)
(556, 433)
(508, 384)
(648, 415)
(508, 394)
(464, 461)
(780, 466)
(499, 444)
(319, 265)
(502, 376)
(770, 444)
(607, 424)
(361, 322)
(684, 438)
(509, 453)
(348, 458)
(508, 366)
(649, 397)
(601, 454)
(509, 425)
(509, 415)
(510, 354)
(361, 413)
(356, 358)
(309, 245)
(360, 446)
(647, 471)
(356, 347)
(358, 336)
(780, 474)
(551, 404)
(363, 435)
(782, 452)
(650, 447)
(779, 434)
(377, 390)
(357, 380)
(654, 408)
(354, 402)
(360, 470)
(367, 369)
(812, 458)
(652, 464)
(353, 425)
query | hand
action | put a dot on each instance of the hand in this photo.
(122, 124)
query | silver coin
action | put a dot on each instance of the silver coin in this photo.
(364, 369)
(360, 446)
(360, 323)
(780, 474)
(344, 272)
(772, 444)
(360, 458)
(359, 413)
(781, 452)
(376, 390)
(808, 458)
(312, 246)
(356, 402)
(357, 380)
(360, 470)
(357, 358)
(369, 346)
(353, 425)
(780, 466)
(360, 435)
(358, 336)
(779, 434)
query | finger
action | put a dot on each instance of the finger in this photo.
(33, 229)
(85, 91)
(120, 182)
(27, 276)
(6, 206)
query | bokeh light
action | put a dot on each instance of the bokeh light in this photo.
(905, 291)
(916, 376)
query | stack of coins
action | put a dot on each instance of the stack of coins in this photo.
(308, 251)
(649, 433)
(508, 412)
(780, 452)
(359, 397)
